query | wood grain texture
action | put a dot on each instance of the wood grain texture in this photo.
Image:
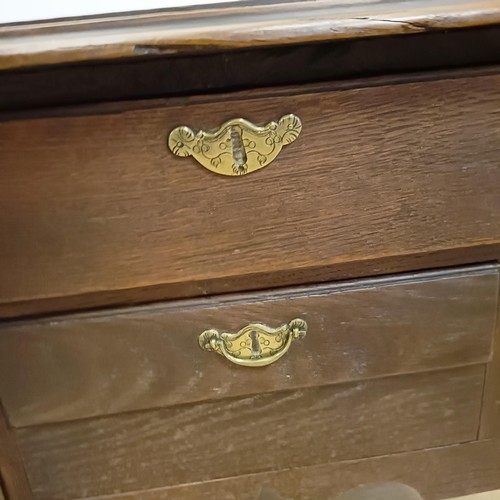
(259, 433)
(168, 33)
(377, 172)
(437, 474)
(105, 363)
(13, 481)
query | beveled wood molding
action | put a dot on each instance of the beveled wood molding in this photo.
(230, 27)
(13, 480)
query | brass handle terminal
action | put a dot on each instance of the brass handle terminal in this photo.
(255, 344)
(237, 147)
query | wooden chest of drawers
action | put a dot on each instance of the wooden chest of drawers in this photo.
(360, 266)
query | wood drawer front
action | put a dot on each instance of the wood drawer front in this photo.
(105, 363)
(260, 433)
(97, 203)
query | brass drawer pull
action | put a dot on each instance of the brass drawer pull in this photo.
(255, 344)
(238, 147)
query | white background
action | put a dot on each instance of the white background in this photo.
(12, 11)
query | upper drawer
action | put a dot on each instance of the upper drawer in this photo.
(97, 203)
(104, 363)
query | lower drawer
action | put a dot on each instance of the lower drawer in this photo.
(218, 439)
(124, 401)
(110, 362)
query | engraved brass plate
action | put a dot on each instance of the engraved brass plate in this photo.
(238, 147)
(255, 344)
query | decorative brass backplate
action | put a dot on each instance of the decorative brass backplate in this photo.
(238, 147)
(255, 344)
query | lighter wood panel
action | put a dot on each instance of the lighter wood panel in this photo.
(488, 495)
(380, 491)
(254, 434)
(377, 172)
(490, 417)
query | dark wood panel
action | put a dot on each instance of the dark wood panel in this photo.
(437, 473)
(377, 172)
(80, 366)
(254, 434)
(249, 68)
(202, 29)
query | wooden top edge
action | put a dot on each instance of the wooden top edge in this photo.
(123, 106)
(200, 30)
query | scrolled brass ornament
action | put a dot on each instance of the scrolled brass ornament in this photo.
(237, 147)
(255, 344)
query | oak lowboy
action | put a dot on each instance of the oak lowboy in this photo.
(328, 320)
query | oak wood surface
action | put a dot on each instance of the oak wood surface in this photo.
(70, 367)
(259, 433)
(171, 33)
(437, 473)
(377, 172)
